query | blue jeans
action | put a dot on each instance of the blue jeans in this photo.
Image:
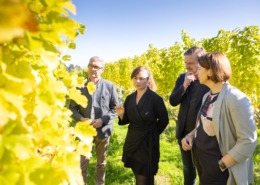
(189, 170)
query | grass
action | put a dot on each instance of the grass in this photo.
(170, 166)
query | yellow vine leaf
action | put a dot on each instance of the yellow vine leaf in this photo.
(2, 149)
(20, 145)
(83, 149)
(50, 59)
(70, 6)
(17, 78)
(47, 174)
(20, 19)
(6, 111)
(85, 131)
(12, 104)
(81, 80)
(33, 111)
(91, 88)
(71, 165)
(10, 174)
(75, 95)
(42, 109)
(69, 80)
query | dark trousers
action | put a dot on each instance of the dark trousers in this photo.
(189, 170)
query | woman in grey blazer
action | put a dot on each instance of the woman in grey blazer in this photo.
(225, 136)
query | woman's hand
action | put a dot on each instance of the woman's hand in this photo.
(120, 110)
(187, 142)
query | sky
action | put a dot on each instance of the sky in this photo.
(118, 29)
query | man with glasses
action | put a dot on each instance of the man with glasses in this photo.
(188, 93)
(100, 110)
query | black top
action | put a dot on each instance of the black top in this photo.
(147, 120)
(206, 148)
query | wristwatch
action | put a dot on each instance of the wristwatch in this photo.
(222, 165)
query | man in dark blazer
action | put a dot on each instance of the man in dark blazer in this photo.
(101, 111)
(188, 93)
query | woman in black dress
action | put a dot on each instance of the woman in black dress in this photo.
(145, 112)
(225, 136)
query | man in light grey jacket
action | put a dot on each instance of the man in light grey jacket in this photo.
(100, 110)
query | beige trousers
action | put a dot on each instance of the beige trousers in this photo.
(101, 153)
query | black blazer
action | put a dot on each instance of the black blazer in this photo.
(181, 96)
(106, 99)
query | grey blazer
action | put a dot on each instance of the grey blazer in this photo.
(105, 101)
(235, 127)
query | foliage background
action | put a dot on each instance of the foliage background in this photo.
(37, 143)
(242, 48)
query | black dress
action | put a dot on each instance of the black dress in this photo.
(206, 148)
(147, 120)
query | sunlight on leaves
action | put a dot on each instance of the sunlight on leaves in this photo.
(75, 95)
(91, 87)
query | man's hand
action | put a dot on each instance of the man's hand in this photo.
(97, 123)
(189, 77)
(84, 119)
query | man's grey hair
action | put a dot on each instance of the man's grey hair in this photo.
(96, 58)
(198, 50)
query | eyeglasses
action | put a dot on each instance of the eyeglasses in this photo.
(96, 68)
(139, 79)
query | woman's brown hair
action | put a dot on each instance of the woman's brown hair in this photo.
(219, 65)
(152, 84)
